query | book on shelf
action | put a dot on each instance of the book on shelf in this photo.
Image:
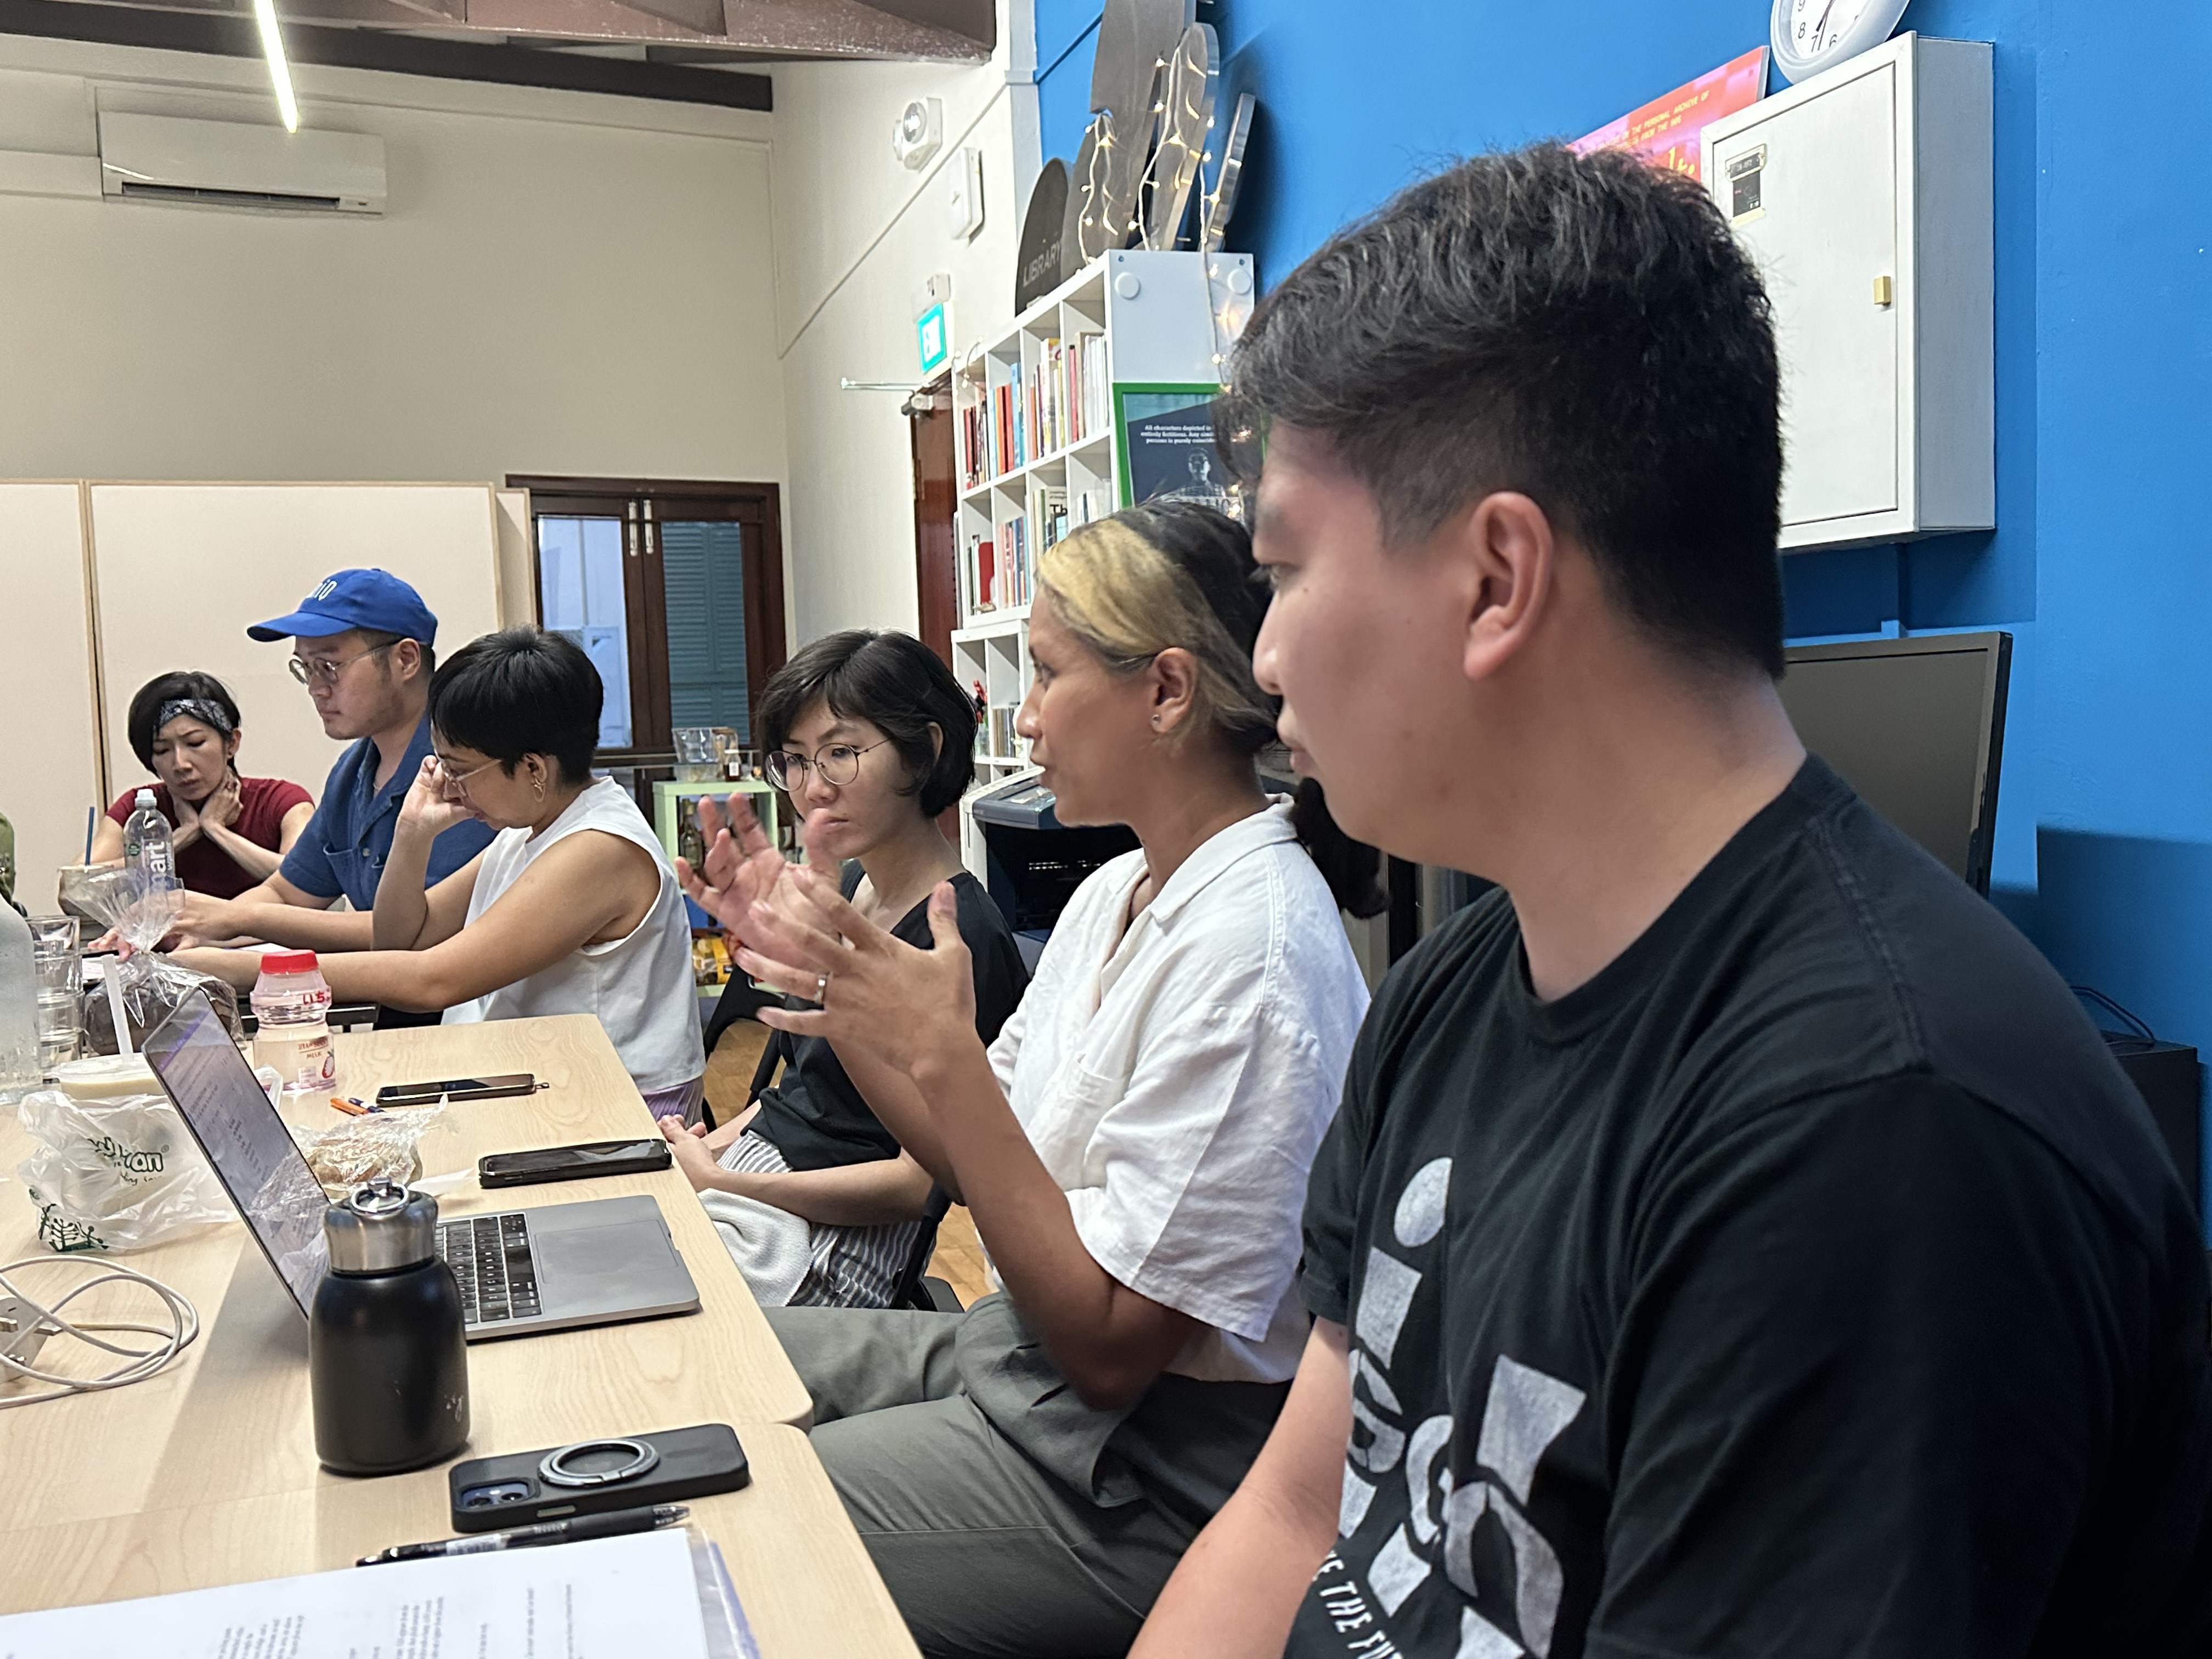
(1061, 398)
(974, 443)
(1016, 560)
(1051, 513)
(1064, 393)
(998, 725)
(979, 576)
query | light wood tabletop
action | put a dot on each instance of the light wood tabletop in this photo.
(207, 1475)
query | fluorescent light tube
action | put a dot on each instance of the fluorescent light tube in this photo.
(280, 72)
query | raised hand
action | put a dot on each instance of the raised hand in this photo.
(425, 807)
(187, 829)
(874, 990)
(744, 870)
(224, 804)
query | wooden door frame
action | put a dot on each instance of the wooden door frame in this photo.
(936, 515)
(758, 505)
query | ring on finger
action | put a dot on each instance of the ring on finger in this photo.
(821, 988)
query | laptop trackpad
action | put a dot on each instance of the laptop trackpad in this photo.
(590, 1268)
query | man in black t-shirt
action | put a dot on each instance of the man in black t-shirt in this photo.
(1734, 1239)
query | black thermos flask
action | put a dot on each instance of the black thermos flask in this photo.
(386, 1353)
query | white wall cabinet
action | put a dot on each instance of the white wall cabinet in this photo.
(1864, 194)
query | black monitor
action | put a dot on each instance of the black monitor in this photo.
(1917, 726)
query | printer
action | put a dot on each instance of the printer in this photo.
(1033, 862)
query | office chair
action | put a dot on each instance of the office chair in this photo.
(917, 1291)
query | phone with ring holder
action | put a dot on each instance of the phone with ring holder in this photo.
(589, 1477)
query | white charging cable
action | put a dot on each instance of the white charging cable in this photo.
(26, 1325)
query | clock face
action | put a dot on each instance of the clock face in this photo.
(1811, 35)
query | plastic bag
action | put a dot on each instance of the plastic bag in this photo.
(150, 986)
(386, 1144)
(115, 1174)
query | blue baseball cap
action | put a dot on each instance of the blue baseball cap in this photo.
(355, 599)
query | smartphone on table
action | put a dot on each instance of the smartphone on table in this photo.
(596, 1158)
(590, 1477)
(456, 1088)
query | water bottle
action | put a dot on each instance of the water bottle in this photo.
(149, 847)
(291, 1006)
(387, 1360)
(18, 1004)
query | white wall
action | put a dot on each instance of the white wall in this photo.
(564, 283)
(856, 236)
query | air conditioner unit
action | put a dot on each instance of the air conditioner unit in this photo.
(162, 158)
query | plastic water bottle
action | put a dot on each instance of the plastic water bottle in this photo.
(292, 1006)
(18, 1004)
(149, 847)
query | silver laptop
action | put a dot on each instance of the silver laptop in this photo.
(597, 1262)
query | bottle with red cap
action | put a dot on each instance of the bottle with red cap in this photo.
(292, 1005)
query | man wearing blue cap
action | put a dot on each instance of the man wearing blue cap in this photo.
(361, 644)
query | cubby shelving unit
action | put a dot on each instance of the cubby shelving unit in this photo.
(1039, 435)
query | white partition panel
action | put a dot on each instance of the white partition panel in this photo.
(180, 569)
(48, 751)
(518, 585)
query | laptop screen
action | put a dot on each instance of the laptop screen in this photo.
(215, 1092)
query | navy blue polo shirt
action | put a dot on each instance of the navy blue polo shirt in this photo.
(343, 848)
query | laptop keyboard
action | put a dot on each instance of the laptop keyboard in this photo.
(490, 1255)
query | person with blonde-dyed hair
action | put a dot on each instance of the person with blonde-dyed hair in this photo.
(1134, 1144)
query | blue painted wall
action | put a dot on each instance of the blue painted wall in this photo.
(2102, 565)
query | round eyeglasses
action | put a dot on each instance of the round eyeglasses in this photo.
(324, 670)
(835, 764)
(460, 781)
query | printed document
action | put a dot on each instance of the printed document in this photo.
(612, 1598)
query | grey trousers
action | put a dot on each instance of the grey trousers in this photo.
(987, 1556)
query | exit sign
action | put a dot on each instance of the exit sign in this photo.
(929, 335)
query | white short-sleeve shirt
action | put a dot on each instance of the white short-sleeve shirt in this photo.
(1176, 1079)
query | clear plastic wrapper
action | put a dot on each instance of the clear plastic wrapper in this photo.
(358, 1149)
(115, 1174)
(150, 985)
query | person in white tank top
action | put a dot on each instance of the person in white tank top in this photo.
(572, 909)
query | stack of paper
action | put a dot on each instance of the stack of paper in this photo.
(661, 1593)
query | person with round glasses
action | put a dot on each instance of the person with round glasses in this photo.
(872, 740)
(362, 645)
(572, 909)
(1133, 1145)
(232, 831)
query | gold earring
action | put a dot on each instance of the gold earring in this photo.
(538, 787)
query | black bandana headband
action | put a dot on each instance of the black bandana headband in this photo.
(205, 710)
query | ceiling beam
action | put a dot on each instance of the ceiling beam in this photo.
(229, 35)
(907, 30)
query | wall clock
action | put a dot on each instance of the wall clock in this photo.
(1812, 35)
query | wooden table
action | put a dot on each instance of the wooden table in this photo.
(206, 1474)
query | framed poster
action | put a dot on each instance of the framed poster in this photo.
(1163, 445)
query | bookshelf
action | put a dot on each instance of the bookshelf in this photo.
(1040, 432)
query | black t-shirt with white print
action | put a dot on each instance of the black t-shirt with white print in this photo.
(1808, 1282)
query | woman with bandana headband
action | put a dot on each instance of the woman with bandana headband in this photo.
(231, 831)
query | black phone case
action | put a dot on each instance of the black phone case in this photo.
(694, 1462)
(656, 1157)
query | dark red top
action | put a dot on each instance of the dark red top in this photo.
(205, 866)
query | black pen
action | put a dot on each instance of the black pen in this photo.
(613, 1524)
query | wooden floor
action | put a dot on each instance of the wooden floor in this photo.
(959, 1259)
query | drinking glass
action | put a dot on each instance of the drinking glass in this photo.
(59, 971)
